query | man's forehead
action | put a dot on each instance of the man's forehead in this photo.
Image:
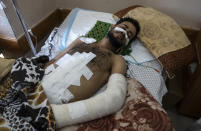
(129, 24)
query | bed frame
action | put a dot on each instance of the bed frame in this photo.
(190, 105)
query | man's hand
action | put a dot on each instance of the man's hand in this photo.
(118, 65)
(75, 42)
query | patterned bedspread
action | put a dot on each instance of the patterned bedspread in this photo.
(24, 105)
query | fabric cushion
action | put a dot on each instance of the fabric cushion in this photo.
(122, 12)
(160, 33)
(99, 30)
(159, 37)
(177, 60)
(78, 23)
(5, 66)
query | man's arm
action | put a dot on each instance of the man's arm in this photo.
(118, 65)
(75, 42)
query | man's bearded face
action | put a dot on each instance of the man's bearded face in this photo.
(121, 34)
(114, 41)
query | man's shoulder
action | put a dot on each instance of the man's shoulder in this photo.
(118, 64)
(118, 59)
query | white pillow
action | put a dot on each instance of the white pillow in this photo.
(78, 23)
(139, 52)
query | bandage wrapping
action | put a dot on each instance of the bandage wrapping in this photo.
(125, 33)
(69, 71)
(87, 40)
(105, 103)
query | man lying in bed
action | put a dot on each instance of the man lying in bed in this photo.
(106, 61)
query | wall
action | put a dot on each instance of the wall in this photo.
(32, 11)
(5, 28)
(186, 12)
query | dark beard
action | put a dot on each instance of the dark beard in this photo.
(116, 44)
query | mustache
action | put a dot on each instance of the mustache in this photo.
(115, 43)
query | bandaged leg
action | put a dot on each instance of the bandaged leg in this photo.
(105, 103)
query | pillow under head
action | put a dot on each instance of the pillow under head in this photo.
(163, 37)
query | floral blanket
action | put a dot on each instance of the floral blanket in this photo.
(141, 112)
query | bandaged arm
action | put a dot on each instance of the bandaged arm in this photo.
(105, 103)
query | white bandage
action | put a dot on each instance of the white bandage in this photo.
(125, 33)
(69, 71)
(105, 103)
(87, 40)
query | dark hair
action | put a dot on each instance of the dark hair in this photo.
(134, 22)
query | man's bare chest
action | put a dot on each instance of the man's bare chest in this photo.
(102, 61)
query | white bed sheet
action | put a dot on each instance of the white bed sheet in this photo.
(74, 26)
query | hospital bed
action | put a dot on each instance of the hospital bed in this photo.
(142, 109)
